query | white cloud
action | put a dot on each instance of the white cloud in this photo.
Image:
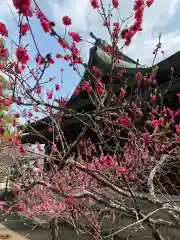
(85, 19)
(143, 47)
(173, 7)
(6, 5)
(78, 11)
(159, 13)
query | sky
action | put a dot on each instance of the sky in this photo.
(162, 18)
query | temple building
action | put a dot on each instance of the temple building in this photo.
(102, 60)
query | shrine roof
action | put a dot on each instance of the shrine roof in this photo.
(105, 61)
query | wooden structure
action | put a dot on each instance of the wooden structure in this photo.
(102, 60)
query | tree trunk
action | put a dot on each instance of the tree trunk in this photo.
(55, 229)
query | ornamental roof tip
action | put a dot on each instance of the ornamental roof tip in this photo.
(99, 42)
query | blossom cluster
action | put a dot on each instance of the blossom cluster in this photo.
(24, 7)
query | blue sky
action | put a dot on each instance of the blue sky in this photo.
(161, 17)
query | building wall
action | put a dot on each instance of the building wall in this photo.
(27, 233)
(15, 225)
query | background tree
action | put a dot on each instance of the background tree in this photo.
(7, 118)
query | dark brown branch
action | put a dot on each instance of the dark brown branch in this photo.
(107, 183)
(72, 147)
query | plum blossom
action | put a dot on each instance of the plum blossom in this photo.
(3, 29)
(24, 7)
(66, 20)
(22, 55)
(95, 4)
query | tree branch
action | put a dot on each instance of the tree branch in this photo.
(152, 174)
(72, 147)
